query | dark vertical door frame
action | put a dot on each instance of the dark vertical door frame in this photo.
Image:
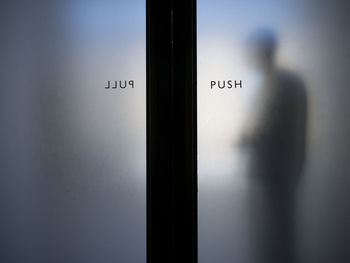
(171, 132)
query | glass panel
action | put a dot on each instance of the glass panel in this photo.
(73, 176)
(273, 180)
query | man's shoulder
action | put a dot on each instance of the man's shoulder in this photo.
(290, 77)
(292, 82)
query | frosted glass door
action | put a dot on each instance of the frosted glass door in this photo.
(273, 124)
(73, 131)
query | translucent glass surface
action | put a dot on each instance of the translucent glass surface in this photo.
(273, 155)
(72, 185)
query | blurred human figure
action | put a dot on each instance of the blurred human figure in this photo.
(275, 136)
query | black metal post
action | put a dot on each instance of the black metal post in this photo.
(171, 132)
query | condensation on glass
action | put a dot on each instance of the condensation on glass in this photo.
(72, 172)
(273, 155)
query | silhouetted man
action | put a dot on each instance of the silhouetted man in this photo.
(275, 135)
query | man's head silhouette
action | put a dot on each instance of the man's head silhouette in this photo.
(262, 44)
